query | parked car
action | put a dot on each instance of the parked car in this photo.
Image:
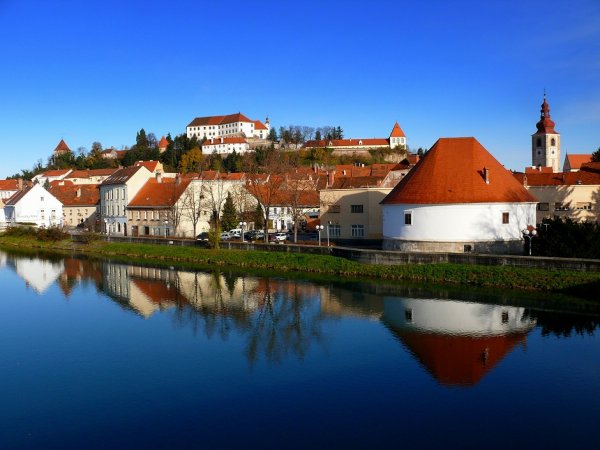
(225, 236)
(278, 237)
(235, 233)
(202, 236)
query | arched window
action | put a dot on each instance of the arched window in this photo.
(538, 142)
(552, 142)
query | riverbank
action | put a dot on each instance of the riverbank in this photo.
(581, 284)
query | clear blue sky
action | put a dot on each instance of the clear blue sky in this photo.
(87, 70)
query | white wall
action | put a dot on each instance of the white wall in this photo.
(458, 222)
(36, 206)
(456, 318)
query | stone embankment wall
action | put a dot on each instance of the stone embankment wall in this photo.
(368, 256)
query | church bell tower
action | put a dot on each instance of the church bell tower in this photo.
(545, 142)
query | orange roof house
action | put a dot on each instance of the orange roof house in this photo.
(573, 161)
(61, 148)
(457, 198)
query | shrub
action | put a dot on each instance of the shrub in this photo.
(53, 234)
(214, 237)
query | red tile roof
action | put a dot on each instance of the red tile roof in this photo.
(539, 169)
(163, 143)
(219, 120)
(10, 185)
(91, 173)
(452, 171)
(156, 195)
(150, 165)
(397, 131)
(576, 160)
(72, 195)
(545, 124)
(587, 175)
(56, 173)
(356, 182)
(62, 147)
(258, 125)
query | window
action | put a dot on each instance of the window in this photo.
(539, 142)
(408, 218)
(505, 218)
(334, 209)
(356, 209)
(408, 315)
(543, 207)
(561, 207)
(335, 231)
(41, 199)
(358, 231)
(584, 205)
(552, 142)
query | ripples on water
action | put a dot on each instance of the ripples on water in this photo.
(98, 354)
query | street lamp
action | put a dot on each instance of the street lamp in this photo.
(166, 228)
(529, 234)
(242, 226)
(319, 229)
(328, 227)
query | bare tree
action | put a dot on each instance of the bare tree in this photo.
(193, 202)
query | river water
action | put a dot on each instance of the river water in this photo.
(100, 354)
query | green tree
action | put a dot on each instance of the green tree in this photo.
(318, 135)
(229, 218)
(596, 155)
(191, 161)
(272, 134)
(259, 217)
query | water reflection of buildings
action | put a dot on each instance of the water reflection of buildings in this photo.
(37, 273)
(457, 342)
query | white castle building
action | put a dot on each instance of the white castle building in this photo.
(227, 126)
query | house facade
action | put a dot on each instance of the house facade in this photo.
(34, 205)
(459, 198)
(396, 139)
(212, 127)
(565, 195)
(225, 145)
(115, 194)
(81, 205)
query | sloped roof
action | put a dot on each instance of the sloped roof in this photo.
(10, 185)
(57, 173)
(397, 131)
(587, 175)
(152, 166)
(62, 147)
(452, 171)
(91, 173)
(219, 120)
(356, 182)
(163, 194)
(163, 143)
(89, 194)
(576, 160)
(17, 196)
(121, 176)
(258, 125)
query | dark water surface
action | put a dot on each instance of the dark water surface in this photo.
(97, 354)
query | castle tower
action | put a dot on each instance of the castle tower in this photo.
(545, 142)
(397, 137)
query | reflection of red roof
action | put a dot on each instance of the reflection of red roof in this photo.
(158, 291)
(397, 131)
(453, 172)
(163, 194)
(219, 120)
(73, 195)
(458, 360)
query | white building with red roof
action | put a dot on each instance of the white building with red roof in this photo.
(51, 175)
(227, 126)
(34, 205)
(459, 198)
(397, 139)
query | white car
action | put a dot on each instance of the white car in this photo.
(225, 236)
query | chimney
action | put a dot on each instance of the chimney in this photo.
(177, 179)
(330, 178)
(525, 182)
(158, 177)
(20, 184)
(486, 175)
(78, 192)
